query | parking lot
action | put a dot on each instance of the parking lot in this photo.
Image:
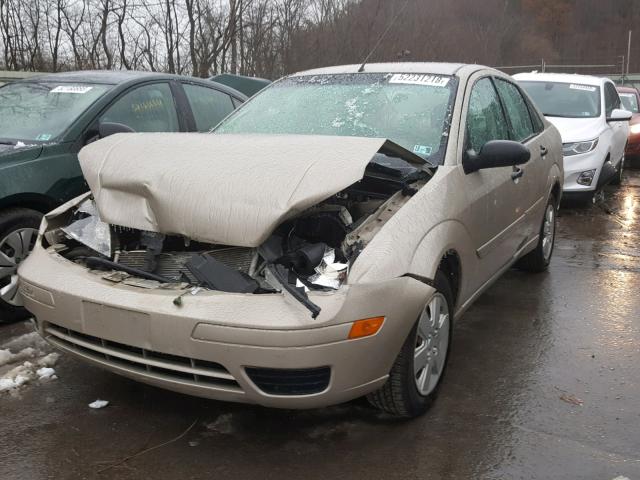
(543, 383)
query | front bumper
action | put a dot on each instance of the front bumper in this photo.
(204, 347)
(576, 164)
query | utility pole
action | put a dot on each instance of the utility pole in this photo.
(629, 52)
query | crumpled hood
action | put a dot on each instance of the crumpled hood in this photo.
(223, 189)
(578, 129)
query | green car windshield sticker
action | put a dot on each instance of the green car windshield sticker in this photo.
(422, 149)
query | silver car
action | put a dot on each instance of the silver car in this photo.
(316, 248)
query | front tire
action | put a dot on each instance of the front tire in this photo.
(18, 233)
(418, 370)
(539, 259)
(617, 180)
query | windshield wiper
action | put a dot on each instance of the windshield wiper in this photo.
(557, 115)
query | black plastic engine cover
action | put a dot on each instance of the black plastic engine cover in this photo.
(218, 276)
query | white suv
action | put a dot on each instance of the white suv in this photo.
(587, 112)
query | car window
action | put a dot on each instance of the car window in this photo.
(485, 119)
(209, 105)
(516, 109)
(538, 124)
(149, 108)
(611, 98)
(565, 100)
(42, 111)
(412, 110)
(629, 102)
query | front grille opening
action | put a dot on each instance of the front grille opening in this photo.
(284, 381)
(154, 364)
(170, 358)
(122, 347)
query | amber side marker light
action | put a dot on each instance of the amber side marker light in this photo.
(365, 327)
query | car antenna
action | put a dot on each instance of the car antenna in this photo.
(384, 34)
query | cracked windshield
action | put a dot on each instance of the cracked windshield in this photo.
(410, 110)
(39, 112)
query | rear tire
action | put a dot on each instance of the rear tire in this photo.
(538, 260)
(18, 233)
(401, 396)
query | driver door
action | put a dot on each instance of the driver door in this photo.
(497, 197)
(620, 131)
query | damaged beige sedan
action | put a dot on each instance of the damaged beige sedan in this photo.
(315, 248)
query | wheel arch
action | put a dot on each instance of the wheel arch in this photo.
(447, 247)
(34, 201)
(451, 266)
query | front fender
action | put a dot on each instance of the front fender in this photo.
(448, 236)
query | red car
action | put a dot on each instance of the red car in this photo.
(631, 101)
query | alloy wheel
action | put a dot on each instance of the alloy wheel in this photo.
(548, 231)
(14, 249)
(432, 344)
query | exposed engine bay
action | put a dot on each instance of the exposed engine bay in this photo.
(312, 251)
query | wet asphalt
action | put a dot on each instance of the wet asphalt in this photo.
(543, 383)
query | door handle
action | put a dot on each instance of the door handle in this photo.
(543, 151)
(517, 173)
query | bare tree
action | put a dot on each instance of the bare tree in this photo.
(271, 38)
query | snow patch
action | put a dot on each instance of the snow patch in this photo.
(5, 357)
(98, 404)
(222, 424)
(45, 372)
(49, 360)
(25, 359)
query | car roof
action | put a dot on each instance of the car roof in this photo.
(624, 89)
(560, 78)
(119, 77)
(393, 67)
(247, 85)
(112, 77)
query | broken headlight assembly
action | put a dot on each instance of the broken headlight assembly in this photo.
(87, 229)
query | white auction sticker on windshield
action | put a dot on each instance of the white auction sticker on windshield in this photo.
(71, 89)
(419, 79)
(586, 88)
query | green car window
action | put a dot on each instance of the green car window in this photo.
(41, 112)
(149, 108)
(209, 105)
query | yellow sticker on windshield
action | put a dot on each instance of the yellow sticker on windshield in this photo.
(420, 79)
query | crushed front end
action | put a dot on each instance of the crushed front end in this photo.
(270, 324)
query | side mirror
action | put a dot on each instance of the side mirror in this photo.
(110, 128)
(619, 115)
(496, 153)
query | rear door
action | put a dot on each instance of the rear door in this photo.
(527, 129)
(497, 197)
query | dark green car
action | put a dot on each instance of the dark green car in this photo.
(46, 120)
